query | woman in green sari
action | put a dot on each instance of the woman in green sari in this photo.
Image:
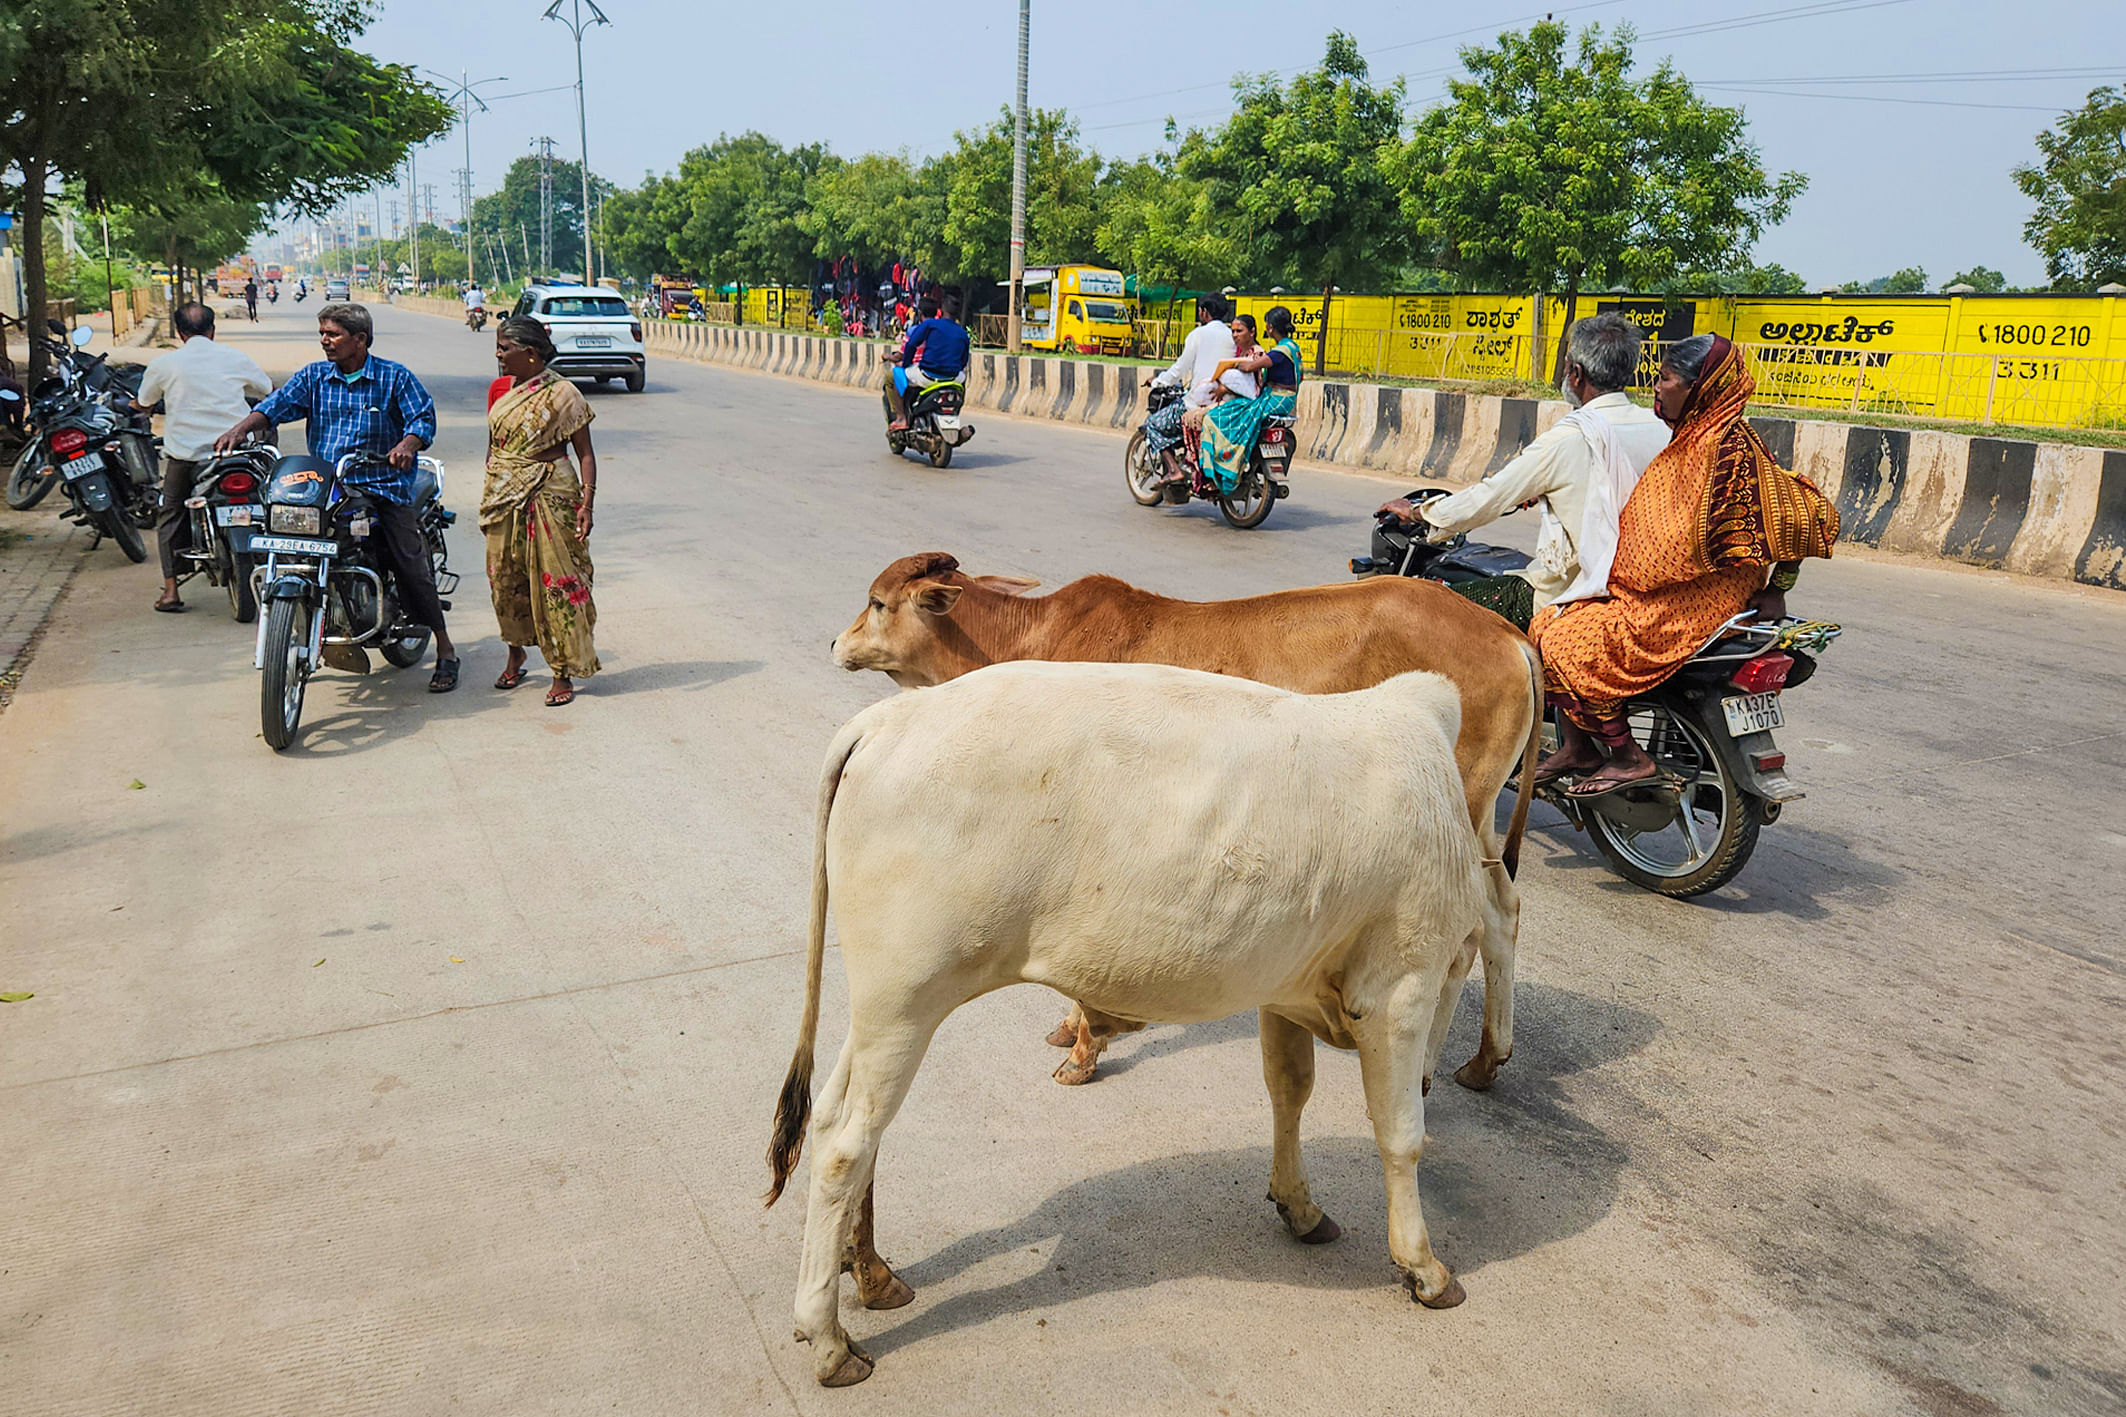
(1233, 425)
(536, 511)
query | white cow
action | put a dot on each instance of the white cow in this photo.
(1164, 845)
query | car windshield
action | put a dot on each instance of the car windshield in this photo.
(1106, 312)
(608, 306)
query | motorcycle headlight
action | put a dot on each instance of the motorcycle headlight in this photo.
(294, 521)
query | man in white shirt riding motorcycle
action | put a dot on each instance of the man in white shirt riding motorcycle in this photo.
(1210, 343)
(1581, 472)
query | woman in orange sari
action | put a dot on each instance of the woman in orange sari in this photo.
(536, 511)
(1715, 527)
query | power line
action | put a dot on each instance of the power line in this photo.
(1884, 98)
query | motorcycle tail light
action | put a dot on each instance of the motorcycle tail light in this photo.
(1766, 674)
(1273, 435)
(69, 441)
(237, 484)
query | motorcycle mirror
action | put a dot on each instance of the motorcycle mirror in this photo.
(9, 396)
(81, 336)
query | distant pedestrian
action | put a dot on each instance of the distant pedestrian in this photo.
(536, 511)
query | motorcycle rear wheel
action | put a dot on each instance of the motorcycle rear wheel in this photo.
(1715, 826)
(941, 454)
(243, 599)
(118, 525)
(1142, 471)
(280, 689)
(406, 651)
(28, 480)
(1248, 505)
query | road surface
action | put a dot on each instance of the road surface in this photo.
(428, 1068)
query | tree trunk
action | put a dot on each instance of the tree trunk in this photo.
(1321, 345)
(34, 171)
(1572, 312)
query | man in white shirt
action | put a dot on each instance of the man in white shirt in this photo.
(204, 388)
(1207, 345)
(1581, 472)
(474, 297)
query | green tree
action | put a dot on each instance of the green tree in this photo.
(1063, 196)
(1772, 279)
(1300, 174)
(1983, 281)
(2079, 188)
(1548, 171)
(510, 216)
(1911, 280)
(1158, 225)
(873, 208)
(639, 225)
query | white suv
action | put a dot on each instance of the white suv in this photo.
(595, 335)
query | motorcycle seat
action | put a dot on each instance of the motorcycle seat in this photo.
(425, 486)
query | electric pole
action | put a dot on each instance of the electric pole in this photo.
(546, 206)
(577, 24)
(1018, 194)
(466, 99)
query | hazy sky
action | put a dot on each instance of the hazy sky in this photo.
(1908, 166)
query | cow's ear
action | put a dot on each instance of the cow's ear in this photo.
(935, 597)
(1006, 585)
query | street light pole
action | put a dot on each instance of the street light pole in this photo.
(466, 99)
(1012, 331)
(577, 25)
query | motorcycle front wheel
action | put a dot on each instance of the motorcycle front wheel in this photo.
(280, 690)
(1248, 505)
(1140, 467)
(28, 480)
(1678, 843)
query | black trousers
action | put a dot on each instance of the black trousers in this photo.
(398, 530)
(173, 520)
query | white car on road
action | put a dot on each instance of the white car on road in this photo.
(595, 335)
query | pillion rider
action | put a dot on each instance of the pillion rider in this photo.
(934, 351)
(354, 402)
(1581, 471)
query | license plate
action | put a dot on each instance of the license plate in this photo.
(81, 466)
(296, 545)
(949, 421)
(1752, 713)
(236, 516)
(594, 342)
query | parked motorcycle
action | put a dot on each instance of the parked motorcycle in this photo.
(74, 375)
(476, 317)
(92, 442)
(326, 588)
(934, 427)
(1265, 479)
(226, 512)
(1709, 727)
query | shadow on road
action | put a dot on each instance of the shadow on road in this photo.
(1198, 1215)
(671, 674)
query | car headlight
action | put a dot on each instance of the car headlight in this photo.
(296, 521)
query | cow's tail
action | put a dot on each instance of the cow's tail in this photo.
(1511, 854)
(794, 1108)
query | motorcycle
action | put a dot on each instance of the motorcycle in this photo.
(273, 295)
(225, 513)
(94, 444)
(302, 292)
(326, 589)
(74, 375)
(476, 317)
(1708, 727)
(934, 428)
(1263, 482)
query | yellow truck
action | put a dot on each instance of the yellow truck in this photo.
(1077, 310)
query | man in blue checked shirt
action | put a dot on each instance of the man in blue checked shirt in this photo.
(354, 402)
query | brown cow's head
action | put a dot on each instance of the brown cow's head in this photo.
(908, 629)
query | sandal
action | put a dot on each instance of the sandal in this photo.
(445, 678)
(1589, 788)
(560, 695)
(511, 678)
(171, 607)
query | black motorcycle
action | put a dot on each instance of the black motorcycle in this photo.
(934, 427)
(1263, 482)
(326, 588)
(92, 442)
(1709, 728)
(74, 376)
(225, 513)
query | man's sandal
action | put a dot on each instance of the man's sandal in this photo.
(171, 607)
(445, 678)
(1588, 788)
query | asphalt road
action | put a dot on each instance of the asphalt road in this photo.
(429, 1067)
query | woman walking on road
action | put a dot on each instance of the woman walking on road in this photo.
(536, 511)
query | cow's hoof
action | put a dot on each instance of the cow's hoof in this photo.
(891, 1295)
(853, 1369)
(1323, 1233)
(1477, 1074)
(1449, 1296)
(1070, 1074)
(1065, 1035)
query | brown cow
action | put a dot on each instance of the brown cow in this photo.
(927, 622)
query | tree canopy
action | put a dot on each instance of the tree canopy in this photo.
(508, 218)
(2079, 188)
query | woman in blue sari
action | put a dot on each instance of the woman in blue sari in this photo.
(1232, 426)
